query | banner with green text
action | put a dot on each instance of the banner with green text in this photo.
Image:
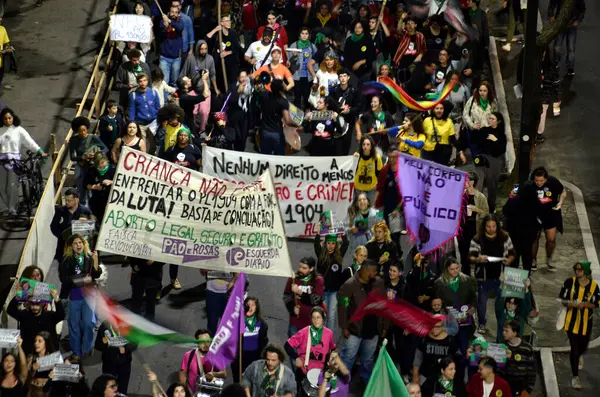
(160, 211)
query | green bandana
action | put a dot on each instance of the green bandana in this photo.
(302, 44)
(379, 115)
(319, 38)
(306, 279)
(357, 37)
(355, 266)
(251, 322)
(315, 335)
(424, 275)
(448, 385)
(510, 315)
(472, 13)
(135, 69)
(79, 258)
(453, 284)
(483, 103)
(456, 88)
(333, 381)
(586, 265)
(103, 170)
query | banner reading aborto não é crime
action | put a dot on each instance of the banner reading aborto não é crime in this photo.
(305, 186)
(163, 212)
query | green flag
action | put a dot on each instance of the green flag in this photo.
(385, 379)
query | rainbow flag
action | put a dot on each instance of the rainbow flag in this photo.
(134, 328)
(401, 96)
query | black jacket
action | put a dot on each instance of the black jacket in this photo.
(30, 324)
(416, 286)
(150, 275)
(353, 52)
(577, 13)
(332, 275)
(351, 97)
(106, 136)
(112, 354)
(375, 252)
(67, 275)
(520, 369)
(433, 387)
(61, 222)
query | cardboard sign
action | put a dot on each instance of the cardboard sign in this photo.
(497, 351)
(513, 284)
(48, 362)
(8, 338)
(461, 314)
(35, 291)
(131, 27)
(117, 341)
(66, 373)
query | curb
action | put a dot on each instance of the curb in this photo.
(502, 105)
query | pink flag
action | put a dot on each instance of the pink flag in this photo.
(223, 348)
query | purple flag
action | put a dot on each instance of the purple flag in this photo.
(223, 348)
(432, 196)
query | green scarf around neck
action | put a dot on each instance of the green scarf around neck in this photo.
(80, 259)
(484, 103)
(456, 88)
(315, 335)
(306, 279)
(251, 322)
(448, 385)
(103, 171)
(333, 382)
(357, 37)
(135, 69)
(303, 44)
(379, 115)
(454, 283)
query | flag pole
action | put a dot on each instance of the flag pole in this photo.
(240, 350)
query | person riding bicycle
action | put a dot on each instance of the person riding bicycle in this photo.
(13, 138)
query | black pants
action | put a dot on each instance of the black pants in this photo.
(579, 345)
(173, 271)
(524, 249)
(121, 371)
(464, 242)
(141, 292)
(301, 92)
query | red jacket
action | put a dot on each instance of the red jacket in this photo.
(381, 185)
(500, 389)
(312, 296)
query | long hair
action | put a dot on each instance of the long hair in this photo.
(28, 272)
(382, 225)
(171, 389)
(353, 209)
(138, 132)
(450, 260)
(337, 255)
(257, 303)
(360, 149)
(491, 96)
(16, 119)
(336, 66)
(99, 385)
(69, 245)
(499, 232)
(416, 122)
(50, 346)
(16, 371)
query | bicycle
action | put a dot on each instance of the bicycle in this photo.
(29, 172)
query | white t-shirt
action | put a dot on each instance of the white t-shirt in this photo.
(487, 388)
(258, 51)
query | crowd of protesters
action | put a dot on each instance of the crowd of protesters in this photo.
(221, 82)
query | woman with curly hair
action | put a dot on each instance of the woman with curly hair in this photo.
(37, 380)
(104, 386)
(326, 78)
(382, 249)
(78, 271)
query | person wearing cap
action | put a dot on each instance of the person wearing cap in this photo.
(277, 70)
(330, 260)
(301, 293)
(580, 295)
(477, 209)
(258, 53)
(222, 135)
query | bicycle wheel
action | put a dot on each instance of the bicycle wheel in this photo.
(38, 185)
(26, 186)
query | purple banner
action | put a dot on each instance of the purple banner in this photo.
(223, 348)
(432, 196)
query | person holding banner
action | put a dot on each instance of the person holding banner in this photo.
(36, 382)
(13, 374)
(301, 293)
(361, 219)
(514, 309)
(387, 195)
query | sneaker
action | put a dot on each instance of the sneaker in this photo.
(580, 366)
(507, 47)
(482, 329)
(551, 267)
(534, 266)
(576, 383)
(176, 284)
(571, 72)
(539, 139)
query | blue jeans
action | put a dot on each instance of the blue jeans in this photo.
(570, 37)
(483, 292)
(366, 349)
(81, 327)
(170, 68)
(215, 306)
(331, 304)
(292, 330)
(272, 142)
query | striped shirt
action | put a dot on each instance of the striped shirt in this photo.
(579, 321)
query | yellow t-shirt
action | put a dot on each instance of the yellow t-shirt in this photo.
(445, 129)
(405, 148)
(366, 173)
(4, 40)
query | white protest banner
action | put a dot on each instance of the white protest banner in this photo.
(306, 186)
(48, 362)
(131, 27)
(117, 341)
(163, 212)
(8, 338)
(66, 373)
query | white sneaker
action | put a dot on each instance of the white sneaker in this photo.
(507, 47)
(576, 383)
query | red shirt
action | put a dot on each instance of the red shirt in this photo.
(315, 286)
(248, 15)
(500, 389)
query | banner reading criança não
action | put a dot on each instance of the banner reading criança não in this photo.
(166, 213)
(432, 196)
(306, 186)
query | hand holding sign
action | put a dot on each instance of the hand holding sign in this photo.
(129, 27)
